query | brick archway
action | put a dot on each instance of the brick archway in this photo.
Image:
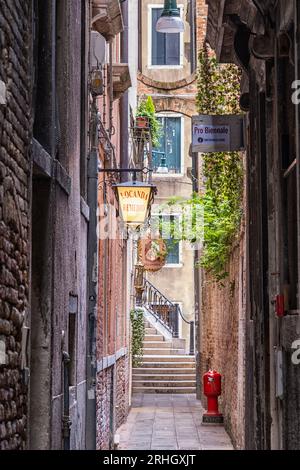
(175, 105)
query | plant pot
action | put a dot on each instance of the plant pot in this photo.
(142, 122)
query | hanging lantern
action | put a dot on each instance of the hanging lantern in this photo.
(135, 200)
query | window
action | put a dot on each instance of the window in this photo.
(169, 145)
(165, 48)
(173, 246)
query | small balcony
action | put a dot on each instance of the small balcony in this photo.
(121, 79)
(107, 18)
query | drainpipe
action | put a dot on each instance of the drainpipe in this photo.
(193, 36)
(111, 91)
(92, 274)
(140, 45)
(66, 413)
(124, 102)
(197, 279)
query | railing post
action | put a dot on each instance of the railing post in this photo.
(176, 321)
(192, 339)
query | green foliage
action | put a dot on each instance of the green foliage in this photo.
(146, 108)
(138, 334)
(218, 93)
(218, 85)
(220, 204)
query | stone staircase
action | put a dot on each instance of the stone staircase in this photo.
(164, 369)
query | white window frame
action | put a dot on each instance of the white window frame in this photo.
(182, 156)
(173, 265)
(181, 41)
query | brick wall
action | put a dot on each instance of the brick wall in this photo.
(112, 401)
(222, 340)
(186, 86)
(15, 129)
(122, 390)
(104, 394)
(202, 10)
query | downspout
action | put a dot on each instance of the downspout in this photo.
(66, 411)
(124, 102)
(140, 45)
(197, 280)
(193, 36)
(92, 282)
(111, 91)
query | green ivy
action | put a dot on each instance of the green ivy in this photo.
(221, 201)
(138, 335)
(146, 108)
(218, 93)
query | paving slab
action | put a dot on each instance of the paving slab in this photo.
(157, 422)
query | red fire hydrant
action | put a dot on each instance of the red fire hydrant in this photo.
(212, 389)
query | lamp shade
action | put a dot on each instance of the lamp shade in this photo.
(170, 20)
(135, 199)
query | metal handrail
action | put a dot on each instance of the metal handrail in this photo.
(165, 311)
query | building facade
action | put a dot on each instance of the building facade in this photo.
(167, 73)
(44, 222)
(263, 39)
(114, 25)
(14, 222)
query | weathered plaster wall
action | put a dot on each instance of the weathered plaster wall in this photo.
(222, 339)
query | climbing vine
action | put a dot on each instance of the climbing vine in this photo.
(146, 109)
(221, 200)
(138, 334)
(218, 93)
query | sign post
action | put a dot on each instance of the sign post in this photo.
(223, 133)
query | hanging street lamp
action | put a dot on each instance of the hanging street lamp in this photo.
(135, 199)
(170, 20)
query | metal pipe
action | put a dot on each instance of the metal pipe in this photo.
(192, 340)
(92, 275)
(66, 411)
(104, 95)
(140, 64)
(193, 36)
(124, 101)
(111, 91)
(197, 282)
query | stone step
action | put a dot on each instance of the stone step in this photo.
(171, 358)
(164, 390)
(164, 383)
(169, 369)
(162, 351)
(157, 344)
(150, 331)
(163, 377)
(154, 338)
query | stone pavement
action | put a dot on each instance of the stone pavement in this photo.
(169, 422)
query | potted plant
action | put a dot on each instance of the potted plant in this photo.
(145, 118)
(142, 122)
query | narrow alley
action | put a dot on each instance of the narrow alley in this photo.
(149, 226)
(169, 422)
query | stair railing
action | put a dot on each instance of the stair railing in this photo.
(166, 312)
